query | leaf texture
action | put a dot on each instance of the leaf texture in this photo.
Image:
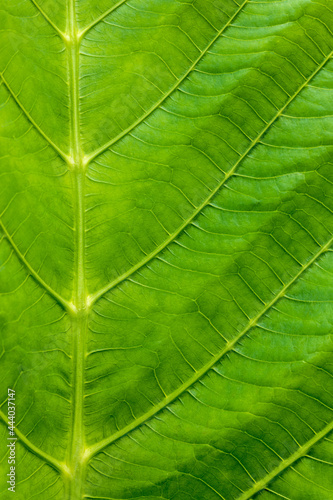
(166, 230)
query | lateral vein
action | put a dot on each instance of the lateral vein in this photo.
(103, 148)
(94, 297)
(285, 464)
(47, 18)
(96, 448)
(32, 121)
(60, 467)
(101, 17)
(63, 302)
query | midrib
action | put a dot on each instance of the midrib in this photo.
(79, 316)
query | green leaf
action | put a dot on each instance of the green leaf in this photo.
(166, 237)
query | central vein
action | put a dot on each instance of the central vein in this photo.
(79, 316)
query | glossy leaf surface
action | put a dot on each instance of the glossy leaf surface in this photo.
(165, 248)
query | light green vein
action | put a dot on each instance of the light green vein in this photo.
(100, 18)
(303, 450)
(96, 448)
(59, 466)
(32, 121)
(94, 297)
(63, 302)
(103, 148)
(47, 18)
(73, 487)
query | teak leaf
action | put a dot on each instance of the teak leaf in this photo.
(166, 229)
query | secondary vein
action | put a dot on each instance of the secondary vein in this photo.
(34, 449)
(32, 121)
(101, 17)
(94, 297)
(303, 450)
(103, 148)
(48, 19)
(63, 302)
(96, 448)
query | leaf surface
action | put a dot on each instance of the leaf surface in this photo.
(166, 248)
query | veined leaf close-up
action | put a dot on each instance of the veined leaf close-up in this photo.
(166, 265)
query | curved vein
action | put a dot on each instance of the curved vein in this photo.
(93, 298)
(63, 302)
(60, 467)
(100, 18)
(303, 450)
(102, 149)
(51, 23)
(215, 359)
(32, 121)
